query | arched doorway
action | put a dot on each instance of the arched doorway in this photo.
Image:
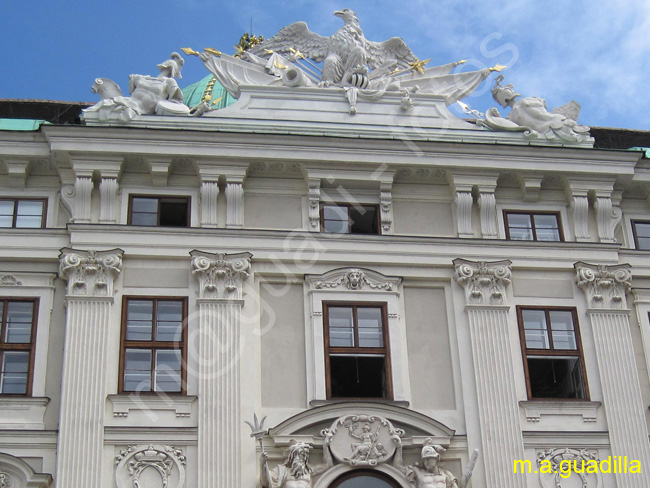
(362, 478)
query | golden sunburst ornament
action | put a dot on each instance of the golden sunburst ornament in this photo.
(419, 65)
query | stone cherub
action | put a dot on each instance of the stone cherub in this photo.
(295, 471)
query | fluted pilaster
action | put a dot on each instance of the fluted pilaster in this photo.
(221, 278)
(485, 287)
(90, 277)
(234, 201)
(605, 288)
(209, 195)
(108, 199)
(464, 202)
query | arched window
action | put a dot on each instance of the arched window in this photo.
(364, 479)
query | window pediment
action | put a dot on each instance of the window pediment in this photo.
(354, 279)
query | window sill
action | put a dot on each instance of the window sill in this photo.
(181, 405)
(22, 412)
(320, 403)
(536, 408)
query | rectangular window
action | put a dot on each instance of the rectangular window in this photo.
(641, 231)
(340, 218)
(153, 345)
(22, 213)
(17, 345)
(159, 211)
(357, 360)
(552, 353)
(527, 226)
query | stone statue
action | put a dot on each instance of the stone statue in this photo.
(295, 472)
(428, 473)
(530, 115)
(150, 95)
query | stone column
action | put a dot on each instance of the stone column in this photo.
(485, 287)
(221, 278)
(605, 288)
(90, 276)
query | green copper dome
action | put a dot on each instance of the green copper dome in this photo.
(207, 88)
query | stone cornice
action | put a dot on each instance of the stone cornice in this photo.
(221, 276)
(90, 273)
(485, 283)
(605, 287)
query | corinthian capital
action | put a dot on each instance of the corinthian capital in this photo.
(220, 275)
(604, 286)
(485, 282)
(90, 273)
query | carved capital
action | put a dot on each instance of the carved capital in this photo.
(485, 282)
(220, 275)
(605, 287)
(90, 273)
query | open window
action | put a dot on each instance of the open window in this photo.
(343, 218)
(159, 211)
(357, 355)
(552, 351)
(533, 226)
(153, 345)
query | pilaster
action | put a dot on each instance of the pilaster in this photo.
(235, 201)
(221, 278)
(608, 215)
(464, 201)
(77, 197)
(485, 285)
(90, 276)
(488, 205)
(605, 290)
(108, 189)
(314, 204)
(386, 207)
(209, 193)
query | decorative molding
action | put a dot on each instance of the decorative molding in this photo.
(386, 207)
(464, 202)
(276, 167)
(579, 208)
(488, 206)
(363, 440)
(169, 462)
(5, 480)
(123, 404)
(209, 195)
(108, 189)
(23, 412)
(9, 280)
(314, 204)
(353, 279)
(234, 201)
(534, 410)
(608, 218)
(76, 199)
(530, 188)
(16, 473)
(90, 273)
(558, 459)
(605, 287)
(485, 283)
(220, 275)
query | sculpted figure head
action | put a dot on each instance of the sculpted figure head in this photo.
(298, 459)
(504, 95)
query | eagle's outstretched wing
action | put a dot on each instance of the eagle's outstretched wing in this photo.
(295, 36)
(394, 49)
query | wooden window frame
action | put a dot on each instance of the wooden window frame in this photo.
(532, 214)
(634, 233)
(153, 345)
(357, 351)
(348, 206)
(188, 217)
(15, 215)
(30, 347)
(552, 351)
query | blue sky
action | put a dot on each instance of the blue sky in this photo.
(596, 52)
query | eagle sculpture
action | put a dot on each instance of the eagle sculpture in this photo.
(346, 55)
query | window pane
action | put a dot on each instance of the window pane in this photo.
(548, 235)
(642, 229)
(168, 371)
(562, 329)
(6, 213)
(139, 320)
(358, 376)
(335, 226)
(170, 319)
(6, 221)
(19, 322)
(145, 205)
(29, 214)
(173, 212)
(556, 377)
(517, 234)
(334, 212)
(370, 327)
(363, 220)
(643, 243)
(535, 329)
(519, 220)
(137, 370)
(29, 222)
(543, 221)
(341, 327)
(365, 482)
(13, 378)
